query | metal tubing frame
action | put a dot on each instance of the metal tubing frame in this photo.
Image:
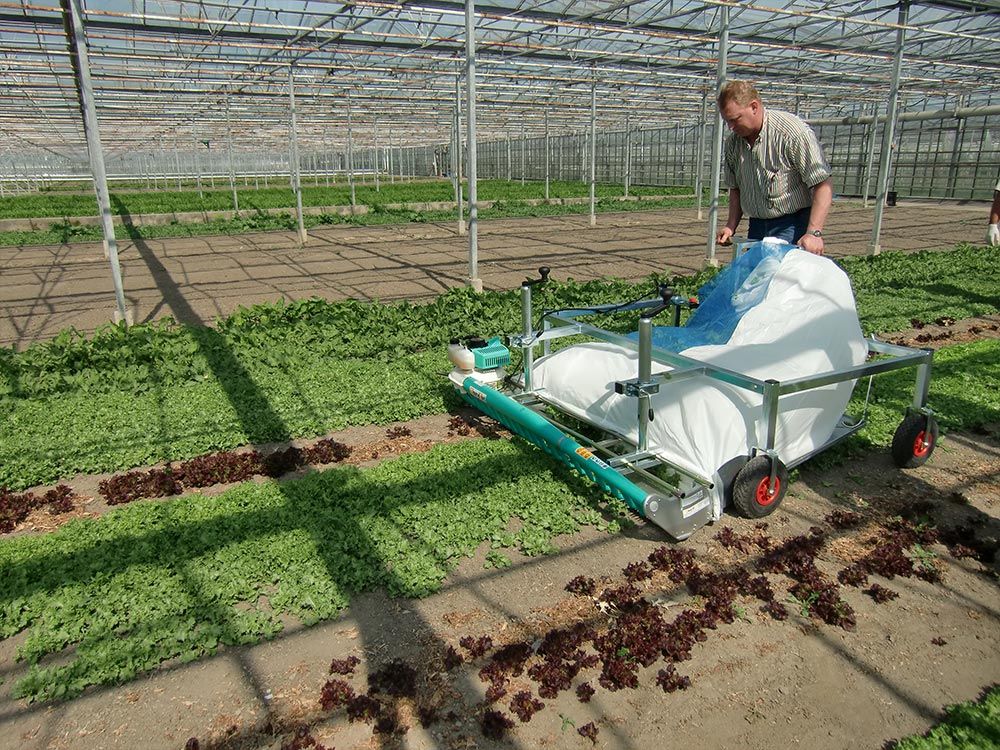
(645, 373)
(628, 153)
(375, 155)
(593, 149)
(350, 152)
(713, 206)
(528, 347)
(871, 155)
(293, 157)
(546, 115)
(890, 129)
(458, 152)
(472, 168)
(564, 323)
(699, 179)
(76, 34)
(229, 151)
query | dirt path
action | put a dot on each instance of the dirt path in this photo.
(46, 289)
(755, 683)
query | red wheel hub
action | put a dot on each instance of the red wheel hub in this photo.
(764, 497)
(921, 444)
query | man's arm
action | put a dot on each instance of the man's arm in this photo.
(822, 199)
(735, 215)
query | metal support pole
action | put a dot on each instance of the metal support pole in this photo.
(528, 353)
(699, 176)
(375, 164)
(510, 163)
(294, 157)
(873, 130)
(956, 153)
(75, 35)
(546, 154)
(645, 375)
(457, 170)
(229, 151)
(392, 175)
(890, 129)
(350, 153)
(524, 155)
(470, 81)
(628, 152)
(593, 147)
(720, 79)
(196, 163)
(177, 163)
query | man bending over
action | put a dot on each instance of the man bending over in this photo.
(775, 171)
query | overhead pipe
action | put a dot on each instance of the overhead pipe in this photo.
(961, 113)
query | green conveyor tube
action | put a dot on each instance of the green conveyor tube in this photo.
(538, 430)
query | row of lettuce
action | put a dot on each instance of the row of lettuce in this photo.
(126, 397)
(66, 231)
(220, 198)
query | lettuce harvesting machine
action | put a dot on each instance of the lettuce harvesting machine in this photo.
(668, 493)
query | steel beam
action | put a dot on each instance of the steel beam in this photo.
(470, 82)
(885, 163)
(76, 36)
(720, 79)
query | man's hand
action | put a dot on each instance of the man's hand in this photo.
(725, 236)
(812, 243)
(993, 235)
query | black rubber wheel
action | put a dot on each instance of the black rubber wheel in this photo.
(914, 441)
(750, 495)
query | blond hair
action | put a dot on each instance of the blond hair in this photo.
(741, 92)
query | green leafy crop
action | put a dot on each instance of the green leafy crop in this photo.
(103, 600)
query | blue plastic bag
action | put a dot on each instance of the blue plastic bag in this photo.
(725, 299)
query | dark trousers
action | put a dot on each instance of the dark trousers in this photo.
(788, 227)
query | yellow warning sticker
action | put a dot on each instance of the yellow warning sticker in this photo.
(584, 453)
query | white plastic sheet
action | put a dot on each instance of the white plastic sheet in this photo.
(805, 325)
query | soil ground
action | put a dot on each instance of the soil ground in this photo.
(45, 289)
(756, 683)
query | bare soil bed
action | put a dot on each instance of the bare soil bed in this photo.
(754, 682)
(49, 288)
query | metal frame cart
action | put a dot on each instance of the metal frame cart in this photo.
(673, 497)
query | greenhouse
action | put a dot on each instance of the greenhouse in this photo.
(429, 374)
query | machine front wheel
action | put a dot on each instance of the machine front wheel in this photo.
(750, 487)
(914, 441)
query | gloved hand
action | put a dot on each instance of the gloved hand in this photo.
(993, 235)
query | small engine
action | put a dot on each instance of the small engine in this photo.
(479, 358)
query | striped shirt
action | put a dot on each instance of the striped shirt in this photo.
(775, 175)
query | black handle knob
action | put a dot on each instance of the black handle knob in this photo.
(543, 274)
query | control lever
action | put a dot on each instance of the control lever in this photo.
(543, 274)
(666, 296)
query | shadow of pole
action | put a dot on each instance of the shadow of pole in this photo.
(252, 407)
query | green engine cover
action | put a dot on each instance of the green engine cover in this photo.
(491, 356)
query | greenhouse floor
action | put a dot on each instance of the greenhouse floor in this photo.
(49, 288)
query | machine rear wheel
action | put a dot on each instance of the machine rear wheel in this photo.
(750, 487)
(914, 441)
